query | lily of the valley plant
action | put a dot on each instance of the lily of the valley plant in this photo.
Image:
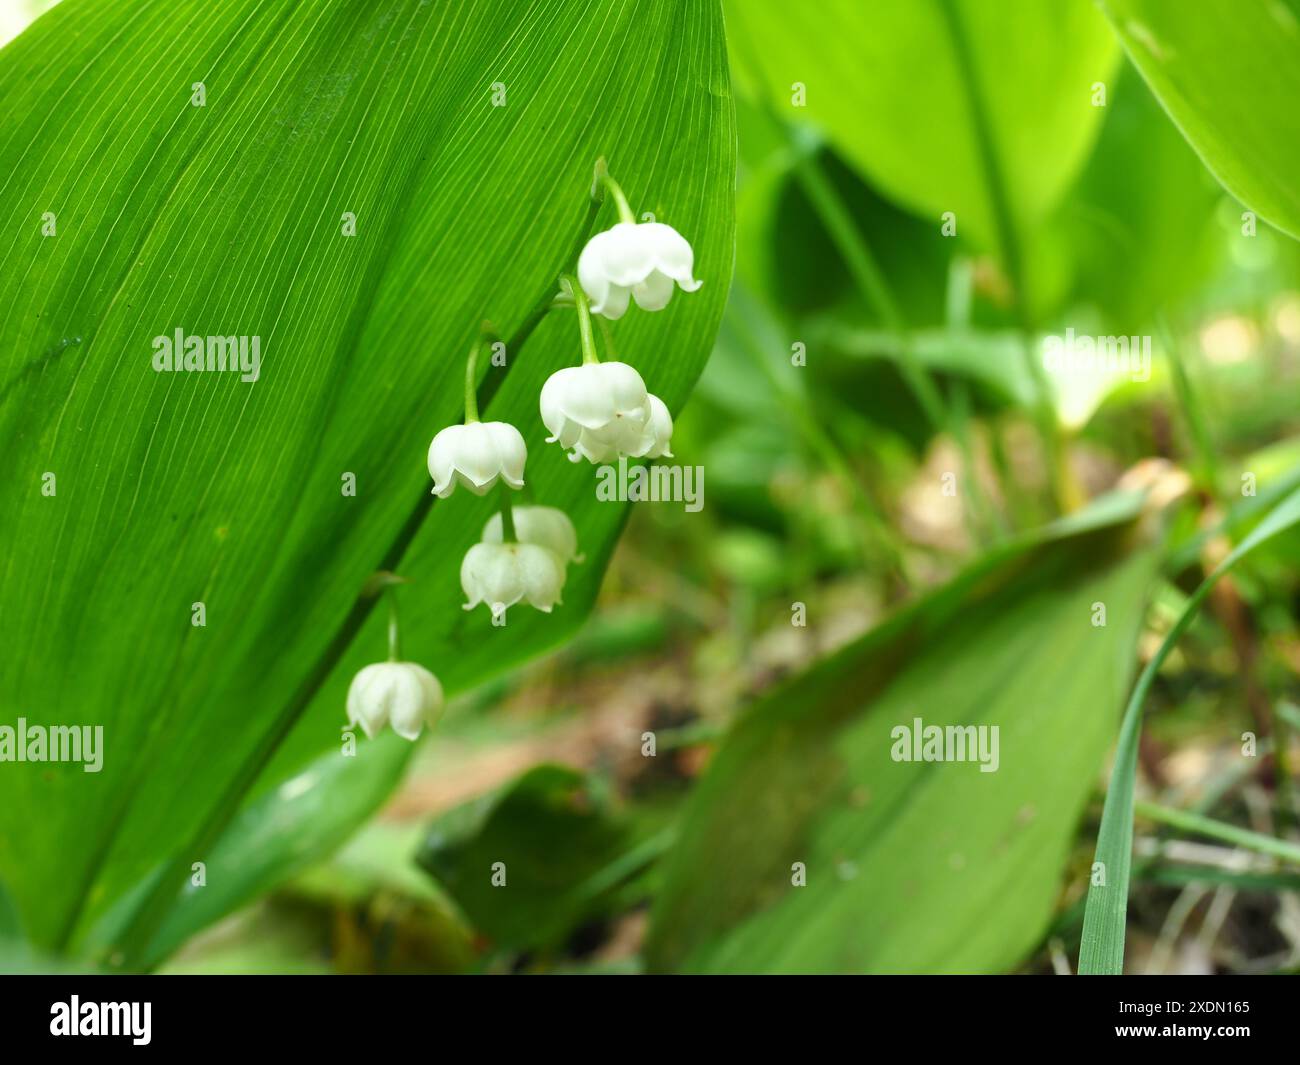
(598, 411)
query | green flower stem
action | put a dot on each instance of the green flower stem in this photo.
(394, 628)
(571, 286)
(507, 516)
(603, 178)
(607, 335)
(471, 383)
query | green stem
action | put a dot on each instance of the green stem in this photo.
(607, 336)
(471, 383)
(864, 269)
(603, 178)
(1066, 494)
(1211, 829)
(823, 446)
(978, 511)
(507, 516)
(870, 279)
(394, 628)
(1192, 411)
(571, 286)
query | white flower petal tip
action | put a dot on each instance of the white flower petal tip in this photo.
(547, 527)
(637, 261)
(402, 694)
(503, 574)
(477, 456)
(659, 431)
(599, 411)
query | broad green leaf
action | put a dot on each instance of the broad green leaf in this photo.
(137, 213)
(1228, 73)
(983, 110)
(910, 865)
(1102, 949)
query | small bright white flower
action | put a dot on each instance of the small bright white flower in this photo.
(546, 527)
(599, 410)
(501, 575)
(639, 261)
(477, 455)
(403, 694)
(659, 430)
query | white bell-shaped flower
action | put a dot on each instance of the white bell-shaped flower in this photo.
(403, 694)
(477, 455)
(599, 411)
(641, 261)
(502, 575)
(547, 527)
(658, 431)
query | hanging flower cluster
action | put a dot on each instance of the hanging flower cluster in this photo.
(598, 411)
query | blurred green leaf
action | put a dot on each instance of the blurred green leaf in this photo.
(1194, 824)
(271, 940)
(992, 125)
(548, 835)
(916, 866)
(1182, 875)
(913, 254)
(11, 929)
(281, 832)
(1228, 73)
(226, 219)
(989, 360)
(1140, 223)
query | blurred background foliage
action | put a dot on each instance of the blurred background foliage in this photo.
(864, 355)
